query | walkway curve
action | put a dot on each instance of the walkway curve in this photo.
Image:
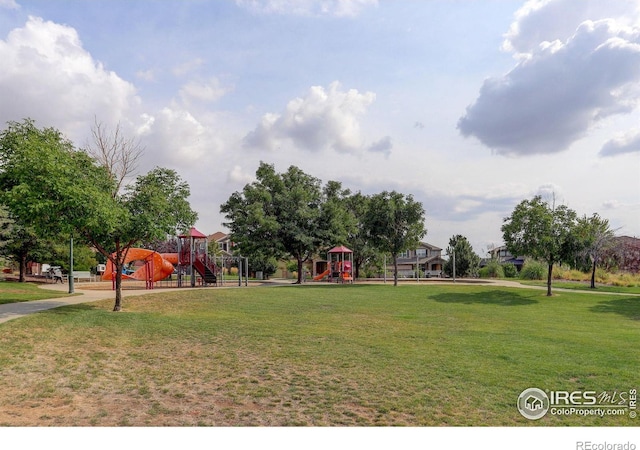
(9, 311)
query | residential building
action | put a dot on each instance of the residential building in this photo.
(504, 256)
(224, 242)
(426, 258)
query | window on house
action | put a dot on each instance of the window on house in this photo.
(421, 252)
(404, 254)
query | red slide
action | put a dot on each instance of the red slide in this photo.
(162, 264)
(321, 276)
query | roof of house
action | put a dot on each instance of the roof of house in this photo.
(430, 246)
(217, 236)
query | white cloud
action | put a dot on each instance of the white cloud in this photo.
(238, 176)
(9, 4)
(175, 137)
(47, 75)
(187, 67)
(205, 91)
(556, 94)
(539, 21)
(629, 143)
(146, 75)
(338, 8)
(322, 119)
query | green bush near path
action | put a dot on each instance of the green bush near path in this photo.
(319, 355)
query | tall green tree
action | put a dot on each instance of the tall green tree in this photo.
(22, 245)
(395, 223)
(467, 261)
(596, 238)
(283, 215)
(542, 231)
(47, 183)
(364, 253)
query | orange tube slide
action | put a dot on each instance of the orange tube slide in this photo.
(162, 265)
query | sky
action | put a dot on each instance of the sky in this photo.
(468, 106)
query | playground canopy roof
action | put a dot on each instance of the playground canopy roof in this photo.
(340, 249)
(194, 233)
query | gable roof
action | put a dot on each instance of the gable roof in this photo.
(217, 236)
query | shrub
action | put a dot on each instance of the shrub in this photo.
(576, 275)
(602, 276)
(558, 272)
(493, 269)
(510, 270)
(533, 270)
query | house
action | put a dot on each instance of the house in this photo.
(503, 256)
(426, 257)
(224, 242)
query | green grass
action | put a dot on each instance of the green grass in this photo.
(14, 292)
(584, 286)
(317, 355)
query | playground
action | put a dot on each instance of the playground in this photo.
(338, 267)
(149, 266)
(193, 266)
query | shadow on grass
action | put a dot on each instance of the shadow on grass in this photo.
(496, 297)
(628, 307)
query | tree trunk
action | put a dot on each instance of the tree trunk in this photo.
(395, 270)
(118, 264)
(593, 274)
(23, 268)
(549, 279)
(300, 270)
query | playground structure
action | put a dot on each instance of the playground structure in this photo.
(339, 266)
(150, 266)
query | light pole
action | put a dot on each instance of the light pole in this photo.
(71, 288)
(454, 264)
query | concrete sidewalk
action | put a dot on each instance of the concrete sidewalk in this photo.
(10, 311)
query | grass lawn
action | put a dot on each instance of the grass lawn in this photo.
(583, 286)
(417, 355)
(14, 292)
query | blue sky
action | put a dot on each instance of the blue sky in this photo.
(470, 106)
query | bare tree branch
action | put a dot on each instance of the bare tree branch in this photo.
(118, 154)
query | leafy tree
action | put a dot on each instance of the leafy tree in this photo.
(467, 262)
(283, 215)
(263, 263)
(84, 257)
(541, 231)
(394, 223)
(22, 244)
(364, 253)
(596, 237)
(46, 182)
